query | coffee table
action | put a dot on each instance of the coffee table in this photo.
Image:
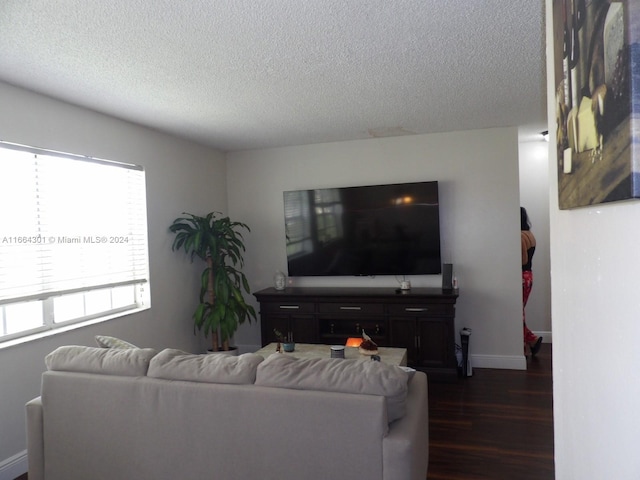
(389, 355)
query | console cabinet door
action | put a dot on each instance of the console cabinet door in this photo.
(435, 344)
(403, 335)
(429, 340)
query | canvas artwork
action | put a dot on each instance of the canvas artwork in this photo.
(597, 79)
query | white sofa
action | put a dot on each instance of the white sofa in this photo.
(136, 413)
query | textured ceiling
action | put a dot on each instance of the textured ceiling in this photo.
(243, 74)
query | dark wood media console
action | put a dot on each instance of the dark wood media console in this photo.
(420, 320)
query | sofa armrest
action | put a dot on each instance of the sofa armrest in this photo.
(405, 453)
(35, 439)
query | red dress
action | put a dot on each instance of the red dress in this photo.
(528, 248)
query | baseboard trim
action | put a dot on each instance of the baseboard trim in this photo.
(14, 466)
(546, 336)
(514, 362)
(247, 348)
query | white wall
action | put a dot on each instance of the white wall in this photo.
(480, 208)
(534, 196)
(180, 177)
(595, 307)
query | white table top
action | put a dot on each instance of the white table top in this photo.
(389, 355)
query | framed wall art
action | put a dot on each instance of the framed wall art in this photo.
(597, 79)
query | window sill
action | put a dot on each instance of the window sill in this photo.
(67, 328)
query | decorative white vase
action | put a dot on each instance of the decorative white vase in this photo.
(279, 280)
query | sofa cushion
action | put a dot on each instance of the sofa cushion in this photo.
(105, 341)
(173, 364)
(130, 362)
(337, 375)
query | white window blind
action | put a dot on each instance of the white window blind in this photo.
(70, 224)
(297, 223)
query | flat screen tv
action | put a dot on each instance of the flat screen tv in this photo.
(367, 230)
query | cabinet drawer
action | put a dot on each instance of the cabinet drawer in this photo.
(421, 309)
(287, 307)
(355, 308)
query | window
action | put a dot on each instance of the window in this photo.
(73, 239)
(328, 214)
(299, 221)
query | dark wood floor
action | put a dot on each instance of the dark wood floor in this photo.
(497, 424)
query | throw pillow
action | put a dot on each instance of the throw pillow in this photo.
(173, 364)
(337, 375)
(130, 362)
(105, 341)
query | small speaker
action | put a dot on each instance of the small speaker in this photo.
(447, 276)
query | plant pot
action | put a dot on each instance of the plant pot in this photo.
(233, 351)
(289, 346)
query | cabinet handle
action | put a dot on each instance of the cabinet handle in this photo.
(351, 308)
(289, 307)
(416, 309)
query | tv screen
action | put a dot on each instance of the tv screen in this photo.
(368, 230)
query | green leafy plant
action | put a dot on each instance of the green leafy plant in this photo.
(218, 241)
(278, 335)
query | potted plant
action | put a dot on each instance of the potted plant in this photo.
(217, 241)
(288, 345)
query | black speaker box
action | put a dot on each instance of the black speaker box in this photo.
(447, 276)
